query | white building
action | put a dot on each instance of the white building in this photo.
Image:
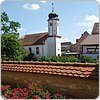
(48, 43)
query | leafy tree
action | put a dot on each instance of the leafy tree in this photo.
(74, 48)
(8, 26)
(11, 48)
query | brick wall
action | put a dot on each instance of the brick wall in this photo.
(77, 87)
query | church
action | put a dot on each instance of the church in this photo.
(45, 44)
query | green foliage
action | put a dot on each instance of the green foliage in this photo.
(72, 59)
(67, 59)
(30, 57)
(11, 48)
(59, 59)
(33, 90)
(7, 25)
(43, 58)
(87, 59)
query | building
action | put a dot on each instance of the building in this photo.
(79, 41)
(90, 45)
(48, 43)
(65, 46)
(95, 29)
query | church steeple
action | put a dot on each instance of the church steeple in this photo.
(54, 38)
(53, 23)
(53, 14)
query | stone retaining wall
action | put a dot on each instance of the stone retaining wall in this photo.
(77, 87)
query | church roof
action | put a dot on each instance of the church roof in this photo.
(34, 39)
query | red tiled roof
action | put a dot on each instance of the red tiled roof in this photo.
(65, 69)
(34, 39)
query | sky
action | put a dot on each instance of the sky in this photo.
(76, 16)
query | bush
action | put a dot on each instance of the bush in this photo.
(42, 58)
(72, 59)
(59, 59)
(87, 59)
(29, 57)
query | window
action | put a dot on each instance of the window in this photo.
(30, 49)
(92, 50)
(37, 50)
(50, 24)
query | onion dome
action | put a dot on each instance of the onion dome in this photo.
(53, 14)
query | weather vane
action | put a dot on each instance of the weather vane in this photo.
(52, 7)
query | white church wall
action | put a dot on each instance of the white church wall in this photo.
(58, 46)
(33, 48)
(49, 47)
(58, 28)
(52, 46)
(55, 27)
(49, 28)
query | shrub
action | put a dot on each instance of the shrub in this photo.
(87, 59)
(72, 59)
(42, 58)
(30, 57)
(59, 59)
(54, 58)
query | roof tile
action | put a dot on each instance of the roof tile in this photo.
(71, 71)
(34, 39)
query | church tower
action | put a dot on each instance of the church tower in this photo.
(54, 38)
(53, 23)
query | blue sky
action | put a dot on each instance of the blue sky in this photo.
(76, 16)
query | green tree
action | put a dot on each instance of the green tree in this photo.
(74, 48)
(11, 48)
(8, 26)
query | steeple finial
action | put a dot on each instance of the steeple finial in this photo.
(52, 7)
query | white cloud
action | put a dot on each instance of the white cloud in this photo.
(41, 31)
(89, 21)
(31, 6)
(43, 1)
(98, 1)
(92, 18)
(21, 30)
(64, 40)
(1, 1)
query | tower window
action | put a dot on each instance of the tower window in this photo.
(37, 50)
(30, 49)
(50, 24)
